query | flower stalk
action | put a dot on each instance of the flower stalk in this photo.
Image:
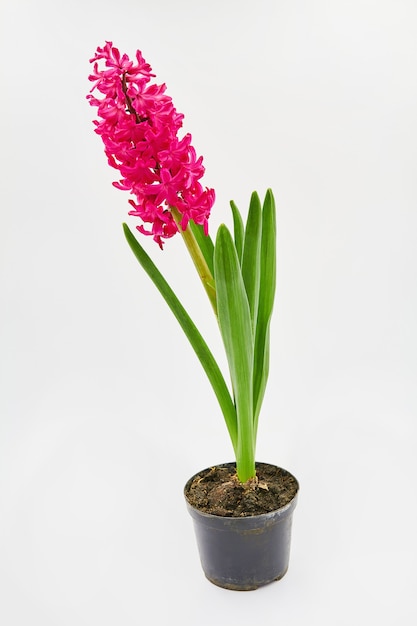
(198, 259)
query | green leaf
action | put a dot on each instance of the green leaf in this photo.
(205, 243)
(266, 303)
(196, 340)
(251, 254)
(236, 330)
(239, 231)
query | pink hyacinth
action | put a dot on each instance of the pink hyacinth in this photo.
(139, 128)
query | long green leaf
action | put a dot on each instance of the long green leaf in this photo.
(266, 303)
(196, 340)
(236, 329)
(239, 230)
(251, 254)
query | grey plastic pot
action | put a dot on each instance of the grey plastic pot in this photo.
(243, 553)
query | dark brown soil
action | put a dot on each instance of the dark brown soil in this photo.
(218, 491)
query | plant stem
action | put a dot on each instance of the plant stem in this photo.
(198, 259)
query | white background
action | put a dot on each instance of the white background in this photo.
(317, 100)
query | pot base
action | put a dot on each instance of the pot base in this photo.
(250, 587)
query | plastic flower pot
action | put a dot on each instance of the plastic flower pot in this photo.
(243, 553)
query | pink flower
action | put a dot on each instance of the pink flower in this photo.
(139, 127)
